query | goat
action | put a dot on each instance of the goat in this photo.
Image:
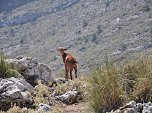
(69, 62)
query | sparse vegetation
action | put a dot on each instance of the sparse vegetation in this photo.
(88, 38)
(108, 3)
(105, 90)
(146, 8)
(120, 84)
(41, 93)
(76, 84)
(55, 58)
(85, 23)
(5, 69)
(99, 30)
(123, 47)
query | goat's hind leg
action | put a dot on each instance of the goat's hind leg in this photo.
(75, 69)
(66, 73)
(71, 73)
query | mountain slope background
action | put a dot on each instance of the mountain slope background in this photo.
(92, 30)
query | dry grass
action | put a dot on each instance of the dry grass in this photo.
(77, 84)
(112, 86)
(41, 93)
(105, 93)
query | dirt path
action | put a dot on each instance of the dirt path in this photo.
(77, 108)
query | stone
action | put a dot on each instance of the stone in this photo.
(70, 97)
(44, 108)
(15, 91)
(139, 107)
(147, 109)
(32, 70)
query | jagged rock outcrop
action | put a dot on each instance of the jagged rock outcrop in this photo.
(15, 91)
(32, 70)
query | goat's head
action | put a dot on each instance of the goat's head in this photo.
(61, 50)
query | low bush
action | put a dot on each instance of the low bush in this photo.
(42, 91)
(105, 92)
(137, 78)
(112, 86)
(5, 69)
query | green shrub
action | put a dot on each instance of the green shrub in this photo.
(107, 3)
(146, 8)
(105, 92)
(12, 73)
(85, 23)
(3, 66)
(123, 47)
(5, 69)
(99, 30)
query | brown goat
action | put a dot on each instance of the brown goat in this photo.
(69, 62)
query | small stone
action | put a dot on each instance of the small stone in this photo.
(44, 107)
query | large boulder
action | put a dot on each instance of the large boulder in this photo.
(15, 91)
(32, 70)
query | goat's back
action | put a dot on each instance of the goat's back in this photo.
(70, 59)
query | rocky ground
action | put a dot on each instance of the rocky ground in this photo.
(92, 30)
(31, 90)
(32, 93)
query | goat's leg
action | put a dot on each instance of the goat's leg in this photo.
(75, 69)
(71, 73)
(66, 73)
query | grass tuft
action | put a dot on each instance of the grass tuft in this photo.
(5, 69)
(112, 86)
(105, 93)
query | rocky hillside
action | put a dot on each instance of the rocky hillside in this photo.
(90, 29)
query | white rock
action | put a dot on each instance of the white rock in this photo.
(44, 107)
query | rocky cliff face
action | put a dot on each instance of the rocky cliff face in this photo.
(90, 29)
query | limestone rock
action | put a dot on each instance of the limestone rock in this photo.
(15, 91)
(70, 97)
(44, 108)
(32, 70)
